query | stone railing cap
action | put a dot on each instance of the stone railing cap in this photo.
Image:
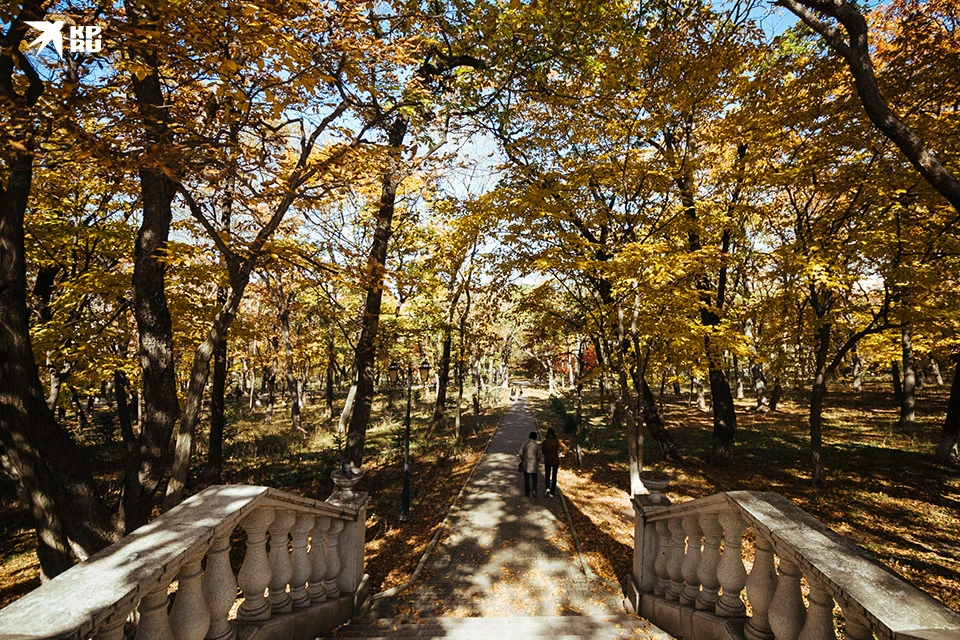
(113, 579)
(852, 576)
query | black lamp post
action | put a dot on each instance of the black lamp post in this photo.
(405, 496)
(424, 371)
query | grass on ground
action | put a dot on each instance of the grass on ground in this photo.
(263, 450)
(884, 490)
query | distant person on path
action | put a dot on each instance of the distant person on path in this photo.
(530, 457)
(520, 391)
(552, 450)
(513, 392)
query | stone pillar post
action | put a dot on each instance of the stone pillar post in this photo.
(353, 536)
(154, 623)
(819, 623)
(787, 613)
(709, 561)
(301, 560)
(761, 585)
(220, 589)
(190, 618)
(255, 574)
(730, 572)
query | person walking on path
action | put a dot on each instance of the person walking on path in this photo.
(552, 450)
(530, 457)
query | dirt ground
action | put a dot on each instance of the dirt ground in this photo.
(884, 490)
(262, 450)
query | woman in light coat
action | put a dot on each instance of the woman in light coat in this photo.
(530, 457)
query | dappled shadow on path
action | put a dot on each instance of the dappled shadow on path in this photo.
(505, 554)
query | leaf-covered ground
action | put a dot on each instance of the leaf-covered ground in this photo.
(884, 490)
(259, 451)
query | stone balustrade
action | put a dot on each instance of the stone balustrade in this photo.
(690, 579)
(302, 574)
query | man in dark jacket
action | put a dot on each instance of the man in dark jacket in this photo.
(552, 450)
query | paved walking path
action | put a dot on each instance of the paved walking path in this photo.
(504, 554)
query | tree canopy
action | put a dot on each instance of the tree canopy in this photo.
(246, 198)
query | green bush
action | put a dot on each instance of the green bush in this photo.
(568, 421)
(557, 406)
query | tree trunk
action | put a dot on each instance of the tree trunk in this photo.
(193, 399)
(578, 434)
(218, 389)
(897, 381)
(908, 400)
(293, 387)
(696, 386)
(776, 394)
(443, 379)
(724, 418)
(82, 421)
(160, 406)
(374, 272)
(654, 422)
(737, 377)
(458, 427)
(123, 411)
(857, 373)
(54, 483)
(935, 370)
(760, 386)
(347, 409)
(856, 52)
(711, 306)
(623, 421)
(817, 394)
(602, 391)
(947, 451)
(331, 368)
(218, 386)
(476, 397)
(253, 380)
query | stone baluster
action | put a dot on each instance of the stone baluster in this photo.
(651, 551)
(730, 572)
(154, 623)
(301, 561)
(318, 560)
(190, 617)
(332, 551)
(675, 559)
(707, 571)
(691, 561)
(787, 613)
(819, 623)
(281, 569)
(660, 566)
(761, 583)
(220, 589)
(855, 626)
(112, 628)
(254, 576)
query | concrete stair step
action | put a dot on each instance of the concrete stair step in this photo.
(600, 627)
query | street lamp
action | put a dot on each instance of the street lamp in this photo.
(424, 371)
(394, 370)
(405, 496)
